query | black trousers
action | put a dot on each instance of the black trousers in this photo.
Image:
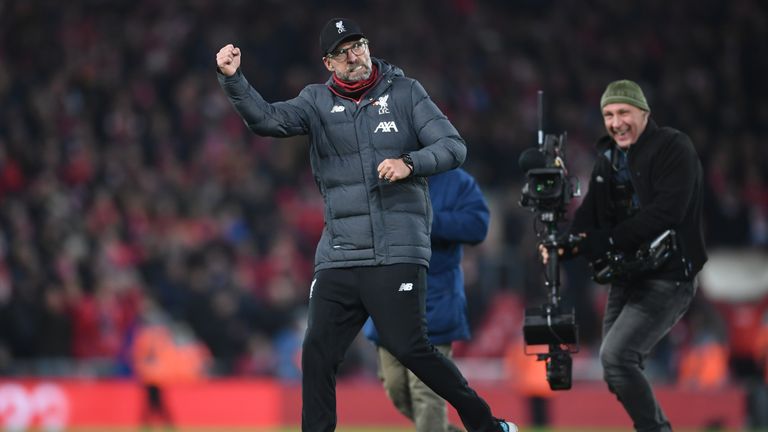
(394, 296)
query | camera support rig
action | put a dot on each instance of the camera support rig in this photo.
(547, 192)
(549, 325)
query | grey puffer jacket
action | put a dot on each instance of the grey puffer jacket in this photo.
(368, 221)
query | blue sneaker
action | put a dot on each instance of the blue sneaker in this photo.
(507, 426)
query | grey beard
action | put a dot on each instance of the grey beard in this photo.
(363, 77)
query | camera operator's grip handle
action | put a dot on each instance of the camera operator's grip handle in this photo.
(550, 256)
(565, 250)
(544, 253)
(553, 265)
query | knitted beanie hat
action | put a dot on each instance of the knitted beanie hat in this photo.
(624, 91)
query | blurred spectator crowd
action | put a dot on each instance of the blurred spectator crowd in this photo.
(126, 179)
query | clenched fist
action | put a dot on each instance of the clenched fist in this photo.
(393, 170)
(228, 59)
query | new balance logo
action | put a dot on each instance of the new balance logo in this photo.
(406, 286)
(337, 108)
(386, 127)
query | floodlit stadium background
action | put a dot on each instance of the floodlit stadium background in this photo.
(125, 175)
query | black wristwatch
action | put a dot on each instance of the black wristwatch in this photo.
(406, 157)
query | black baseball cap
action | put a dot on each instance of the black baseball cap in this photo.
(336, 31)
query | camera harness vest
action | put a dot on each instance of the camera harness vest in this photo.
(624, 200)
(624, 203)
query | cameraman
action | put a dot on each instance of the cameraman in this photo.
(647, 179)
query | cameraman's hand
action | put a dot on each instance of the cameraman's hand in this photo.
(545, 253)
(569, 250)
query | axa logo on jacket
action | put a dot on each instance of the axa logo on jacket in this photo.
(386, 126)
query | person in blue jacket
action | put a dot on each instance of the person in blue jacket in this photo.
(461, 216)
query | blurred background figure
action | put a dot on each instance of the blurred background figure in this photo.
(164, 352)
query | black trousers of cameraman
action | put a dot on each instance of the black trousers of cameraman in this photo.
(637, 316)
(395, 297)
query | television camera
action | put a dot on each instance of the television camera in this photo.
(547, 191)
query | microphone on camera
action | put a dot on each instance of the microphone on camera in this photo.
(530, 159)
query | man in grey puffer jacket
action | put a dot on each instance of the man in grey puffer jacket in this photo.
(374, 136)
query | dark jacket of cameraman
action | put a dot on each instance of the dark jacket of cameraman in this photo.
(666, 174)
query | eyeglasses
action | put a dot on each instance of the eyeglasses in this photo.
(357, 48)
